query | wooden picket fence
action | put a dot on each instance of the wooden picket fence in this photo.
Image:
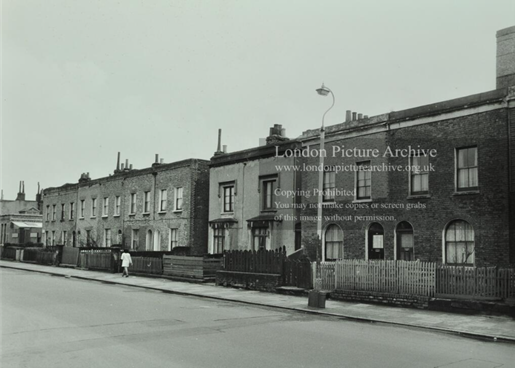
(416, 278)
(297, 272)
(395, 277)
(96, 259)
(475, 282)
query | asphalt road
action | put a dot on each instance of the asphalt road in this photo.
(56, 322)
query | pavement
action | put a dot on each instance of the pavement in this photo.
(495, 328)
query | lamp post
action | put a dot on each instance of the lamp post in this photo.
(322, 91)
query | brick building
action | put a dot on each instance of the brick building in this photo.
(20, 220)
(434, 183)
(250, 207)
(156, 208)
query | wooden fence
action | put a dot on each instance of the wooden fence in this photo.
(70, 256)
(297, 273)
(96, 259)
(261, 261)
(475, 282)
(395, 277)
(200, 268)
(148, 265)
(416, 278)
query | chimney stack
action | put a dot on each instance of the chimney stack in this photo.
(219, 146)
(506, 57)
(21, 193)
(117, 164)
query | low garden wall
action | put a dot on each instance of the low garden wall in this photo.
(249, 280)
(401, 300)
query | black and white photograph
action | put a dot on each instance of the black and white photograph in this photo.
(238, 183)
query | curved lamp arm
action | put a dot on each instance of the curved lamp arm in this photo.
(324, 91)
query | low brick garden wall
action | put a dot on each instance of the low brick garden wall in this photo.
(401, 300)
(248, 280)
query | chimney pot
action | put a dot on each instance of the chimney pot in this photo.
(360, 116)
(122, 167)
(130, 167)
(157, 158)
(353, 116)
(225, 148)
(161, 161)
(347, 115)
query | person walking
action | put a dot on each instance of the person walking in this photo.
(126, 262)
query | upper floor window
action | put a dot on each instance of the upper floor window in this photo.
(82, 207)
(53, 212)
(133, 203)
(63, 210)
(163, 198)
(329, 186)
(48, 212)
(146, 206)
(117, 205)
(93, 207)
(105, 207)
(178, 199)
(72, 210)
(363, 180)
(466, 167)
(268, 193)
(419, 175)
(228, 198)
(459, 243)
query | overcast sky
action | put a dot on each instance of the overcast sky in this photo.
(82, 80)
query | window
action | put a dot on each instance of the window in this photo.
(467, 168)
(133, 203)
(228, 198)
(268, 195)
(53, 236)
(72, 210)
(53, 212)
(93, 207)
(63, 210)
(82, 207)
(135, 239)
(259, 235)
(178, 199)
(375, 241)
(333, 243)
(459, 243)
(117, 205)
(148, 243)
(163, 196)
(329, 186)
(65, 236)
(107, 237)
(363, 180)
(404, 238)
(88, 237)
(218, 241)
(48, 212)
(146, 207)
(419, 175)
(174, 242)
(105, 207)
(157, 241)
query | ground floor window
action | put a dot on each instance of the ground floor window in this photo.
(459, 243)
(333, 243)
(135, 239)
(218, 240)
(405, 243)
(259, 235)
(174, 241)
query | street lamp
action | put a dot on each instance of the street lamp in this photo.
(322, 91)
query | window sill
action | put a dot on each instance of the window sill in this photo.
(132, 214)
(116, 215)
(146, 214)
(228, 214)
(93, 217)
(104, 216)
(162, 212)
(365, 200)
(466, 192)
(177, 211)
(418, 196)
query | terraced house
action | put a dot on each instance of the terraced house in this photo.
(157, 208)
(431, 183)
